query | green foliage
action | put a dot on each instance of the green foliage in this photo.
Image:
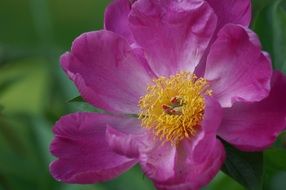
(270, 25)
(79, 104)
(244, 167)
(275, 167)
(34, 93)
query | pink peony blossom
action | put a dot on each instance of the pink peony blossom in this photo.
(190, 71)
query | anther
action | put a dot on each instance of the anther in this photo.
(174, 106)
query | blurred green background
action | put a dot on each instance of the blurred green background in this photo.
(34, 92)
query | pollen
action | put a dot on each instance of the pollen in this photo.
(173, 107)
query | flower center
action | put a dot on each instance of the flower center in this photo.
(174, 106)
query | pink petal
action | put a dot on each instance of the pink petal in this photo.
(128, 138)
(174, 34)
(107, 72)
(228, 11)
(116, 18)
(232, 11)
(83, 155)
(237, 68)
(194, 175)
(192, 163)
(255, 126)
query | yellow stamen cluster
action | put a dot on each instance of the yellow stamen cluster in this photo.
(174, 106)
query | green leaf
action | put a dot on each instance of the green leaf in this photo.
(79, 104)
(279, 30)
(245, 167)
(76, 99)
(275, 167)
(280, 141)
(259, 5)
(222, 181)
(270, 25)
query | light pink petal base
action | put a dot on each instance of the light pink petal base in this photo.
(129, 138)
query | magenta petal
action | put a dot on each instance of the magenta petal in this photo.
(237, 68)
(194, 175)
(174, 34)
(128, 138)
(232, 11)
(116, 18)
(107, 72)
(227, 11)
(254, 127)
(192, 163)
(83, 155)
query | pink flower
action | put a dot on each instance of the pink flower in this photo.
(189, 70)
